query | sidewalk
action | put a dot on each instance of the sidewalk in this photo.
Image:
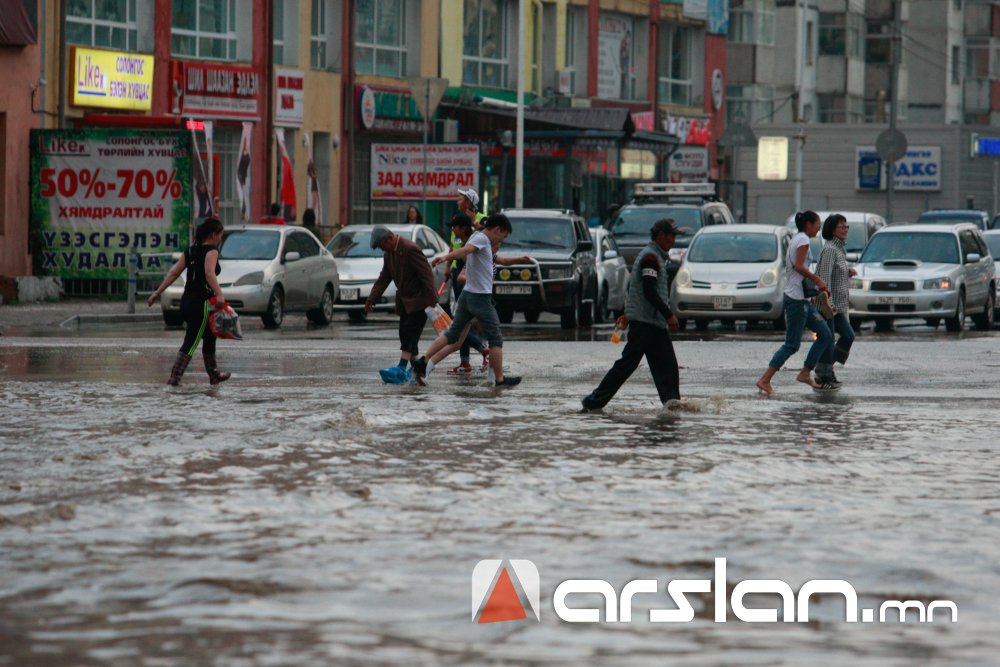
(59, 312)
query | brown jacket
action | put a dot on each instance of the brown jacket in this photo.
(408, 268)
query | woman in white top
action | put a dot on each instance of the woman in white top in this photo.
(799, 310)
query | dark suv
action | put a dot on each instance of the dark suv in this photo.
(691, 205)
(561, 277)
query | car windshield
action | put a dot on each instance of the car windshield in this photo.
(636, 220)
(993, 241)
(541, 233)
(734, 248)
(855, 238)
(351, 243)
(927, 247)
(949, 218)
(250, 244)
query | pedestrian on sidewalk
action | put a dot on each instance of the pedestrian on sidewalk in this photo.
(403, 263)
(649, 318)
(833, 269)
(201, 283)
(799, 309)
(475, 301)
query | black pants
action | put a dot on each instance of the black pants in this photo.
(195, 313)
(411, 325)
(644, 340)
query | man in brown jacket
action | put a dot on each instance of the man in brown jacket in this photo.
(405, 265)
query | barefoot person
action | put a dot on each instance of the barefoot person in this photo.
(649, 318)
(475, 301)
(799, 310)
(202, 263)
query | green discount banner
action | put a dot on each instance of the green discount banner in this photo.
(98, 193)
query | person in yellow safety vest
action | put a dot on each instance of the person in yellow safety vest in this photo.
(468, 202)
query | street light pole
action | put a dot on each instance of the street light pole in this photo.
(890, 189)
(521, 61)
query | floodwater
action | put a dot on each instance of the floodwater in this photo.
(306, 514)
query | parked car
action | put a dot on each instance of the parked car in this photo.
(612, 276)
(931, 271)
(996, 222)
(733, 273)
(360, 266)
(691, 205)
(992, 238)
(861, 226)
(980, 219)
(561, 279)
(269, 270)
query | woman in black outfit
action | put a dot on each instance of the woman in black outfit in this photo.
(202, 263)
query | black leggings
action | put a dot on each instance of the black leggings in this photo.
(195, 315)
(411, 325)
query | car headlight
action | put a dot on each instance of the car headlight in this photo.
(938, 283)
(768, 279)
(255, 278)
(559, 274)
(856, 283)
(683, 278)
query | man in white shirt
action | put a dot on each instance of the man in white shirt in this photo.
(475, 302)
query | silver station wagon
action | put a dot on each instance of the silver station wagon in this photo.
(931, 271)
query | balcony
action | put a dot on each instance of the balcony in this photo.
(982, 96)
(749, 63)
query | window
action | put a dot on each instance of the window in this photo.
(317, 35)
(304, 244)
(878, 45)
(484, 61)
(752, 23)
(749, 103)
(110, 23)
(977, 59)
(675, 65)
(839, 108)
(278, 14)
(840, 35)
(809, 42)
(379, 45)
(956, 65)
(574, 24)
(204, 29)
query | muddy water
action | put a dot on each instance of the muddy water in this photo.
(305, 514)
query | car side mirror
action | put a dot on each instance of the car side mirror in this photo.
(853, 256)
(611, 254)
(972, 258)
(429, 252)
(292, 256)
(585, 246)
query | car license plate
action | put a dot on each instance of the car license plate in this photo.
(513, 289)
(349, 293)
(893, 300)
(722, 302)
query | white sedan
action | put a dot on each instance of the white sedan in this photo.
(360, 266)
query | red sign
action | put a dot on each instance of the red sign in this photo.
(215, 91)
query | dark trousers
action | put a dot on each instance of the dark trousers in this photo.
(644, 340)
(411, 325)
(195, 314)
(840, 325)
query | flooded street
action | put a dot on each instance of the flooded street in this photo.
(304, 513)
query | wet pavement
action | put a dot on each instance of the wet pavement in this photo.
(304, 513)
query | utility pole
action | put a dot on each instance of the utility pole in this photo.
(890, 190)
(519, 127)
(800, 135)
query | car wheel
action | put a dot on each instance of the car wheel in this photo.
(932, 322)
(173, 318)
(506, 315)
(883, 324)
(567, 316)
(984, 321)
(957, 323)
(531, 316)
(701, 324)
(275, 309)
(601, 312)
(357, 315)
(324, 313)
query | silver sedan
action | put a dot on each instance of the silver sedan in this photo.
(612, 275)
(268, 270)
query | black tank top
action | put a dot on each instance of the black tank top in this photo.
(195, 285)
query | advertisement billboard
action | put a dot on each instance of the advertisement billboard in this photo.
(111, 79)
(398, 170)
(96, 193)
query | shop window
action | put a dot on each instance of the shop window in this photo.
(102, 23)
(675, 65)
(226, 147)
(379, 44)
(485, 59)
(204, 30)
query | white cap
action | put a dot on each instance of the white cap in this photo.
(471, 195)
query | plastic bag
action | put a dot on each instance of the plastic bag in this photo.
(438, 317)
(225, 323)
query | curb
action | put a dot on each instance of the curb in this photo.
(123, 318)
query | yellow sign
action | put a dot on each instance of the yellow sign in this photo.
(772, 158)
(112, 79)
